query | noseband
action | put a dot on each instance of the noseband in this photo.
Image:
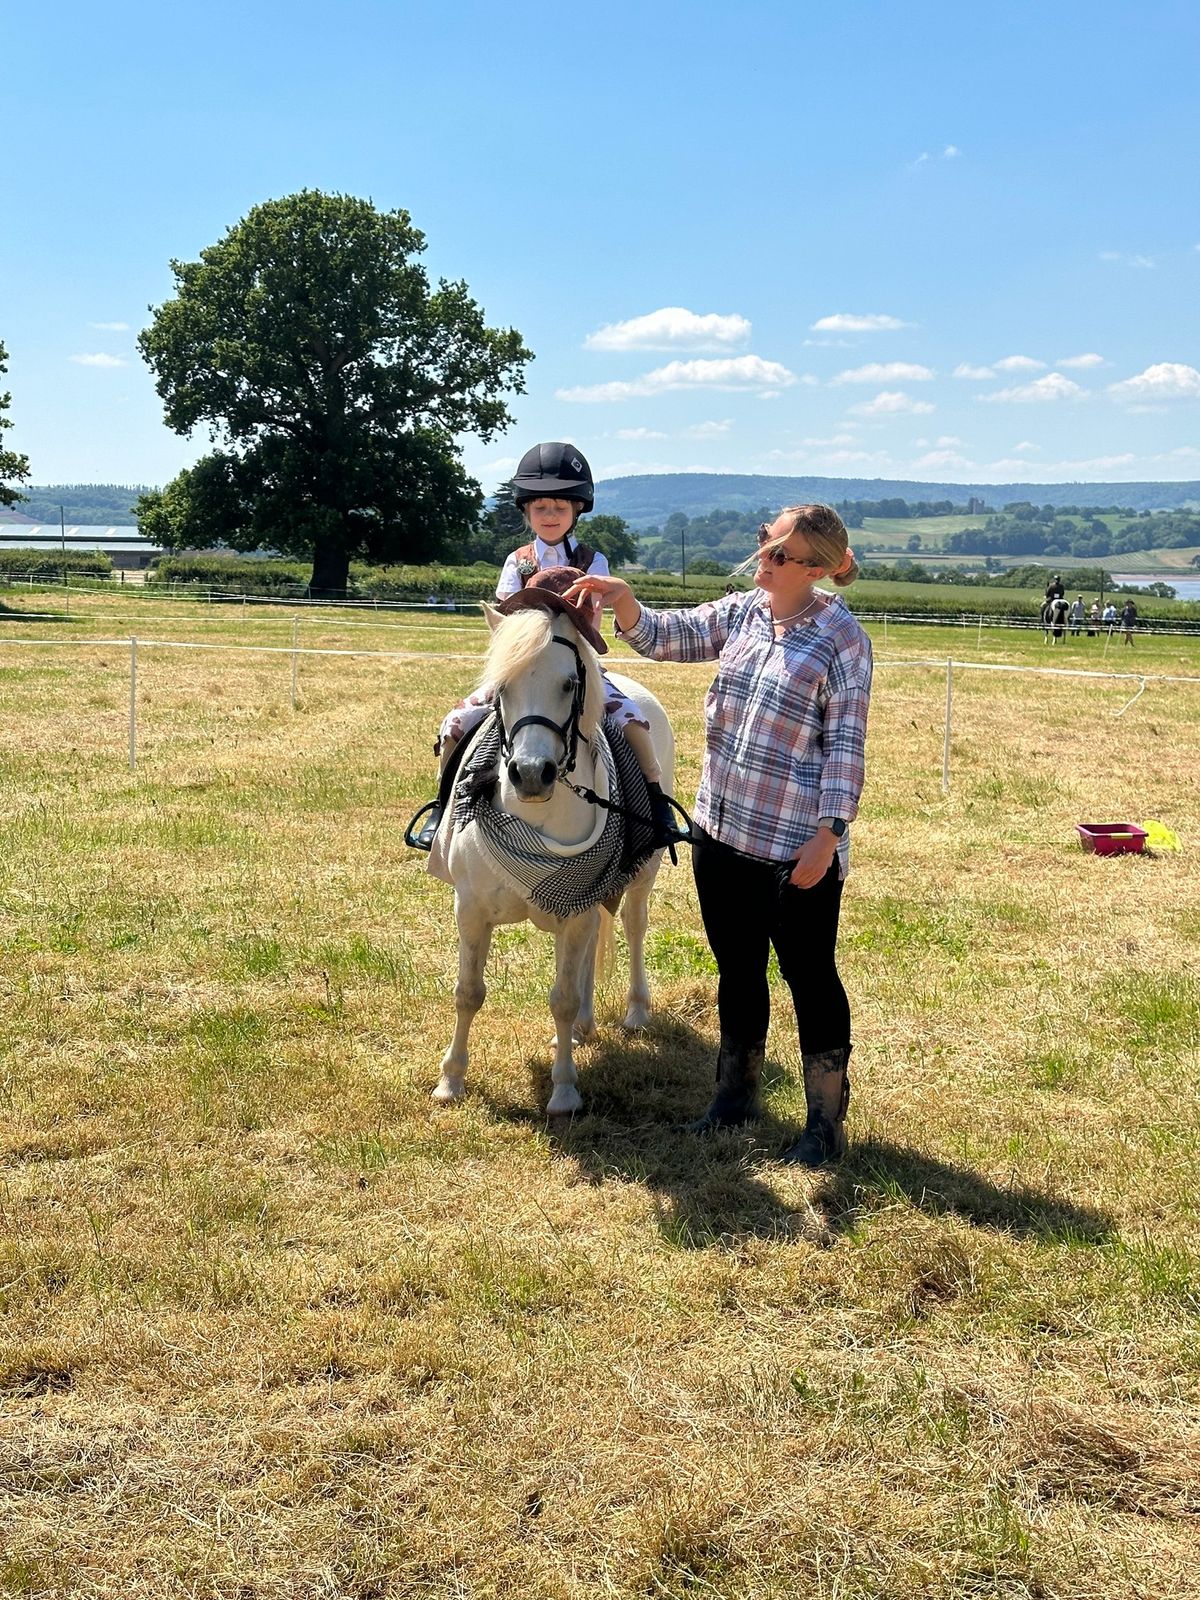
(567, 731)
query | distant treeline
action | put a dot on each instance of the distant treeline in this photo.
(96, 504)
(1080, 580)
(1022, 529)
(1026, 530)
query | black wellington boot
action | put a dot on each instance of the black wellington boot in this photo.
(827, 1091)
(739, 1072)
(665, 814)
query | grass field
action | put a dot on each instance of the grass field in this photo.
(274, 1325)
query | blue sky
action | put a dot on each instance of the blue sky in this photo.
(924, 240)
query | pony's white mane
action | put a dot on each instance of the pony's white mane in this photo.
(518, 643)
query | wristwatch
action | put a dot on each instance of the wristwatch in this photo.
(835, 825)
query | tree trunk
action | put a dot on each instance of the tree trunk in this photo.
(331, 570)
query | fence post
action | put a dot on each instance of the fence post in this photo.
(295, 624)
(132, 703)
(949, 716)
(979, 640)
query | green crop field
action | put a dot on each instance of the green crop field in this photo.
(274, 1325)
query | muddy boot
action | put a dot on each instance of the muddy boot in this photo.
(739, 1071)
(827, 1091)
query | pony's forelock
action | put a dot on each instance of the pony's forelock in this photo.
(519, 640)
(515, 643)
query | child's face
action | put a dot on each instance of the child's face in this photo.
(550, 519)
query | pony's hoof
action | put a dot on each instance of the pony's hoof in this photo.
(637, 1019)
(448, 1093)
(564, 1103)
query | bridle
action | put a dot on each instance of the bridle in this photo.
(567, 731)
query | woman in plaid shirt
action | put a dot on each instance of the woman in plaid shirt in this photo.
(785, 725)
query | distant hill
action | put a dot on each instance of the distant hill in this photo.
(651, 498)
(104, 504)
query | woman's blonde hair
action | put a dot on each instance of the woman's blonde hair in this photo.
(826, 534)
(827, 538)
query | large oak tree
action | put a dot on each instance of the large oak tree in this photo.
(334, 380)
(13, 467)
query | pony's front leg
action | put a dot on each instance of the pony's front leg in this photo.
(574, 949)
(474, 942)
(635, 914)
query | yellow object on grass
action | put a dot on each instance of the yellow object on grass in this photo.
(1160, 837)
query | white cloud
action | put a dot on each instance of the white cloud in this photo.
(639, 433)
(1019, 364)
(949, 153)
(938, 460)
(1026, 444)
(1147, 262)
(729, 373)
(110, 327)
(947, 441)
(832, 443)
(1040, 392)
(965, 370)
(892, 402)
(99, 359)
(1166, 380)
(708, 430)
(885, 372)
(1091, 359)
(671, 328)
(857, 322)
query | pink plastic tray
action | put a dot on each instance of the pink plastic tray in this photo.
(1112, 838)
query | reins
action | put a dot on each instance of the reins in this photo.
(568, 732)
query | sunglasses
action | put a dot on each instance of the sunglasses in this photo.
(779, 557)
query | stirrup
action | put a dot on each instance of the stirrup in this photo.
(664, 809)
(422, 838)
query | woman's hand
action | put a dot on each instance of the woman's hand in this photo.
(613, 592)
(815, 858)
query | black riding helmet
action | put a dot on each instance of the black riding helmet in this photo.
(554, 471)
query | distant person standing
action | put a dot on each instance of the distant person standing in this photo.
(1110, 617)
(1077, 616)
(1094, 620)
(1129, 620)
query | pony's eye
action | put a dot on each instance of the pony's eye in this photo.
(570, 685)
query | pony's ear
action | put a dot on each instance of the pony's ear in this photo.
(494, 618)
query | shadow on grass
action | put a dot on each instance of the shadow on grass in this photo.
(875, 1173)
(719, 1189)
(705, 1190)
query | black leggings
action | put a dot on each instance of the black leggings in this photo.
(749, 905)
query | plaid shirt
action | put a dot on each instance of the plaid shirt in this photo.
(785, 719)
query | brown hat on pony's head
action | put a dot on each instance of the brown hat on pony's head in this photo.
(544, 592)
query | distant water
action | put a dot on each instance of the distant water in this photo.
(1185, 588)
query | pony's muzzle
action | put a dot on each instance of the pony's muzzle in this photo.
(532, 778)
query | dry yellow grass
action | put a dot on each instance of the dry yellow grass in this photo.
(273, 1325)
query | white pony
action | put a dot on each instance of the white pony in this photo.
(549, 712)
